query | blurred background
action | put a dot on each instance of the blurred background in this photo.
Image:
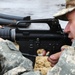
(37, 9)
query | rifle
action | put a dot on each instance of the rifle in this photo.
(32, 40)
(9, 20)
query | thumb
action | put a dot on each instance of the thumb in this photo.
(64, 47)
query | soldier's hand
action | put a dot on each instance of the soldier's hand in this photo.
(44, 52)
(53, 59)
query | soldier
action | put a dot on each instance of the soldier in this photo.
(64, 62)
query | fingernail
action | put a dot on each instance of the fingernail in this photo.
(52, 57)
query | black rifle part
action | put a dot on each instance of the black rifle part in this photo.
(13, 22)
(32, 40)
(53, 23)
(40, 37)
(12, 17)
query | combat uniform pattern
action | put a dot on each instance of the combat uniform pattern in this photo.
(12, 62)
(66, 63)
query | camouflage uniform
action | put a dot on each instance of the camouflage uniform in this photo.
(66, 63)
(12, 62)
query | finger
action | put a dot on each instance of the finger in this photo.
(55, 56)
(52, 61)
(63, 47)
(52, 65)
(44, 52)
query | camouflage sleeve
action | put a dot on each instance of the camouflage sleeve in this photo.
(21, 71)
(66, 63)
(11, 58)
